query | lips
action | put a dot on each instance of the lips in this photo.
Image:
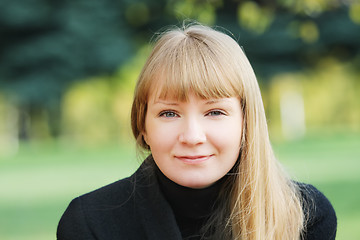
(193, 159)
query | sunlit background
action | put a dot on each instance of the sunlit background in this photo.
(68, 70)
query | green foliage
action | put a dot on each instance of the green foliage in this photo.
(254, 17)
(355, 12)
(98, 110)
(330, 96)
(201, 11)
(46, 45)
(137, 14)
(87, 105)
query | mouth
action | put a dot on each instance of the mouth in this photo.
(193, 159)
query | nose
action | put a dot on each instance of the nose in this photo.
(192, 133)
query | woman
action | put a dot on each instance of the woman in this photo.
(211, 172)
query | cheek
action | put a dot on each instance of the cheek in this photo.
(227, 136)
(159, 137)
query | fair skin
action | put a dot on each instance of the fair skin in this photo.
(196, 142)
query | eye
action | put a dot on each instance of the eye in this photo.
(168, 114)
(215, 113)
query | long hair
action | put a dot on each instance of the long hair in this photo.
(260, 201)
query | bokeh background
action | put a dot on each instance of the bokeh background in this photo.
(68, 70)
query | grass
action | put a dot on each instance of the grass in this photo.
(37, 184)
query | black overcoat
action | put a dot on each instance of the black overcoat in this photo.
(134, 208)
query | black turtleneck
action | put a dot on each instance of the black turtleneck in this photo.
(192, 207)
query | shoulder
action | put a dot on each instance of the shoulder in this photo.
(99, 212)
(114, 193)
(321, 221)
(85, 214)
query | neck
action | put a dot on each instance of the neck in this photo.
(189, 202)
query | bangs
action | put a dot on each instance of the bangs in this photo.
(191, 66)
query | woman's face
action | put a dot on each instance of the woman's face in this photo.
(194, 143)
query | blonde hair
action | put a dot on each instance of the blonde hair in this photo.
(262, 202)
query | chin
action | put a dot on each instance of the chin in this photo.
(195, 184)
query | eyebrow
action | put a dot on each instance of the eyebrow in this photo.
(213, 101)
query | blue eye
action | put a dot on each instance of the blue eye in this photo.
(215, 113)
(168, 114)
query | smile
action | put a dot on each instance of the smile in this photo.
(194, 159)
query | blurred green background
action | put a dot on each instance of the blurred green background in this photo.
(68, 70)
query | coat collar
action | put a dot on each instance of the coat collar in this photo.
(155, 212)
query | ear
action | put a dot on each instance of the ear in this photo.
(144, 136)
